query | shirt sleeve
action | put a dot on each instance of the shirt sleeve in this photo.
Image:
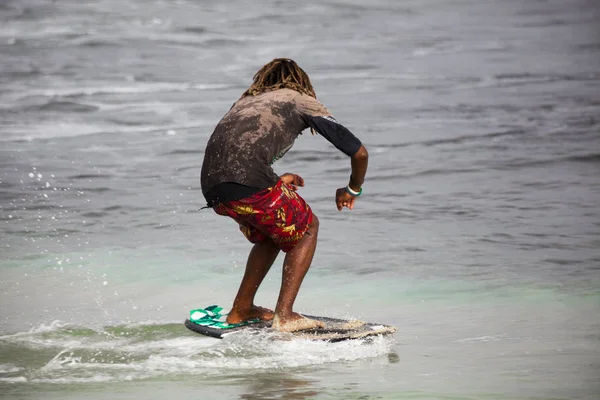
(318, 117)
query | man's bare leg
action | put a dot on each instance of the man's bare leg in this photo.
(259, 262)
(295, 266)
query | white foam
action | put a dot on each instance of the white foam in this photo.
(38, 338)
(52, 130)
(9, 369)
(150, 322)
(136, 88)
(73, 379)
(52, 327)
(103, 356)
(16, 379)
(478, 339)
(182, 347)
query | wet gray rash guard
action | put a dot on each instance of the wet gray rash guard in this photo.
(256, 132)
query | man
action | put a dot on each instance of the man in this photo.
(238, 181)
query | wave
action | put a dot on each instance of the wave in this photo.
(194, 29)
(69, 354)
(470, 138)
(427, 172)
(452, 140)
(307, 156)
(520, 79)
(72, 130)
(584, 158)
(90, 176)
(63, 106)
(383, 174)
(184, 152)
(139, 88)
(592, 158)
(111, 210)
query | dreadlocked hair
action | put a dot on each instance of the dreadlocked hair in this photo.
(278, 74)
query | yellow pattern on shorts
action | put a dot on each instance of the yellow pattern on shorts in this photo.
(280, 217)
(244, 210)
(290, 194)
(291, 228)
(294, 238)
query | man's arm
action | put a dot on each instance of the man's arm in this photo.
(359, 162)
(346, 196)
(347, 143)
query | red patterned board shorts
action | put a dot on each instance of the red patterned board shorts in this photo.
(278, 213)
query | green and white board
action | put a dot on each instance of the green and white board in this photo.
(210, 321)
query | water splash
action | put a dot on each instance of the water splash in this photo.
(63, 353)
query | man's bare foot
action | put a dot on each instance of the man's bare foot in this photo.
(295, 322)
(237, 316)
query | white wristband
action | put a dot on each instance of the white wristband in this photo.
(352, 192)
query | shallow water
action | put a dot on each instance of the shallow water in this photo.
(477, 235)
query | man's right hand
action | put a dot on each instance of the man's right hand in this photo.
(292, 180)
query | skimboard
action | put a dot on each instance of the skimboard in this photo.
(210, 321)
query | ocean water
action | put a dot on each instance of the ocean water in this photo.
(478, 234)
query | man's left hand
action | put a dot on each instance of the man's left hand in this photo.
(344, 199)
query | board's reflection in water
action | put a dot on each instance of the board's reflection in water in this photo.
(281, 385)
(278, 385)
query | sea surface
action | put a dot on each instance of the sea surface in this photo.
(477, 236)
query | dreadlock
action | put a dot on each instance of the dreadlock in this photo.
(278, 74)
